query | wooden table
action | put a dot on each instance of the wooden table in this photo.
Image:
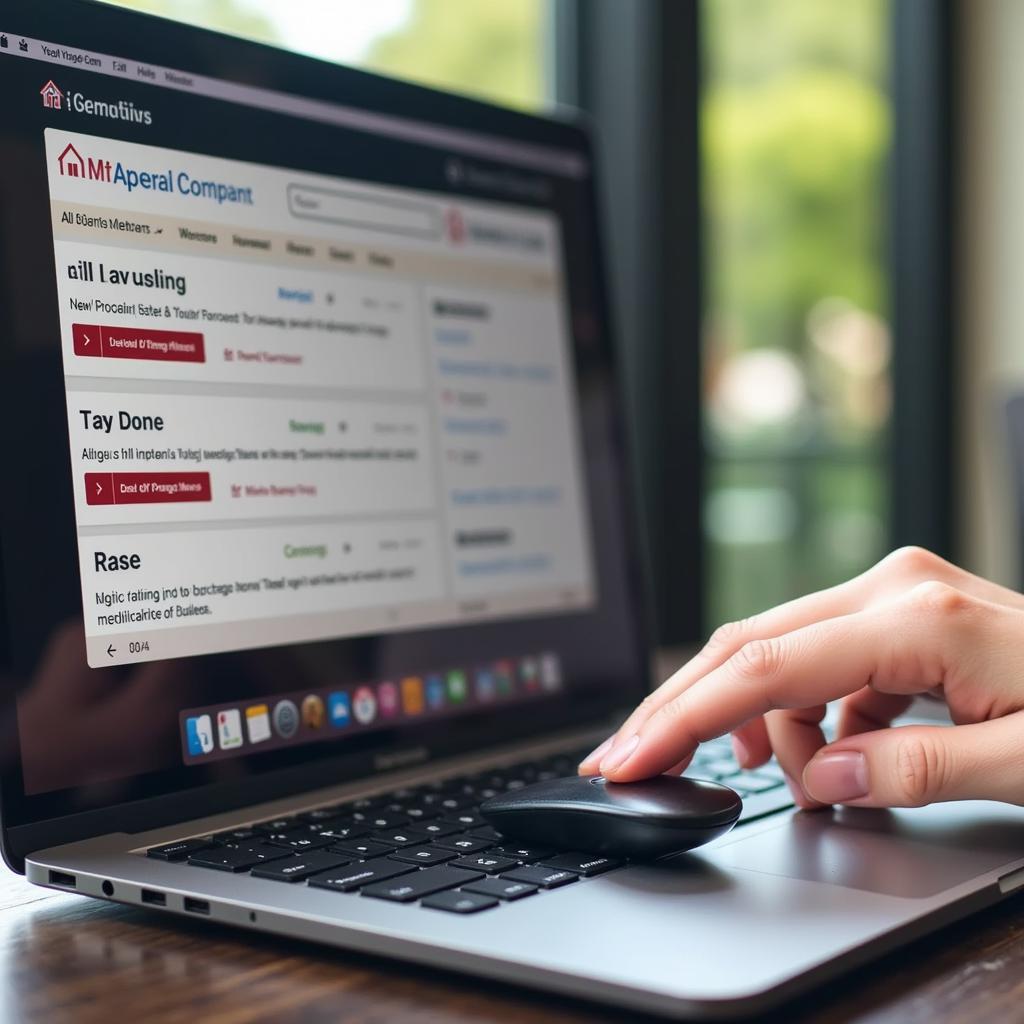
(69, 958)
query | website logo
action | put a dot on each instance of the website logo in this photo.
(72, 164)
(52, 96)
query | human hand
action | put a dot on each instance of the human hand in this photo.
(910, 625)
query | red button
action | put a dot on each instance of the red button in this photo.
(146, 488)
(99, 488)
(138, 343)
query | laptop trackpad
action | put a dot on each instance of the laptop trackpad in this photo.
(910, 853)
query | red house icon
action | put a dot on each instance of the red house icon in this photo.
(52, 96)
(71, 163)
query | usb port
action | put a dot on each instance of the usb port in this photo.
(197, 906)
(63, 878)
(154, 898)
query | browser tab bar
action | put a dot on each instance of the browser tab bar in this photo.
(532, 155)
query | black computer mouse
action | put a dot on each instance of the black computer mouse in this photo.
(637, 820)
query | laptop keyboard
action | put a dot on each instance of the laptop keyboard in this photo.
(428, 845)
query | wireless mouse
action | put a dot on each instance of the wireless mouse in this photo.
(636, 820)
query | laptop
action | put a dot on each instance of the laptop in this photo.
(316, 533)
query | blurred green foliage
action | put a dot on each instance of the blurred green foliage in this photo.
(795, 133)
(796, 130)
(491, 49)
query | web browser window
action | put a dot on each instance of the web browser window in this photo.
(302, 407)
(313, 457)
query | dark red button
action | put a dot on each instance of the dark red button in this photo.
(138, 343)
(146, 488)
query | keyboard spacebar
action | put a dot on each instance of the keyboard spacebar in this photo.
(760, 804)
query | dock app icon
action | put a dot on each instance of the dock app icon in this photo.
(199, 734)
(229, 728)
(257, 722)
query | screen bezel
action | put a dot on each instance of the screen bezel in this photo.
(91, 25)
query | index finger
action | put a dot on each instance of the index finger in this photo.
(805, 668)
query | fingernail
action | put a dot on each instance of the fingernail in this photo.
(741, 751)
(837, 776)
(598, 752)
(619, 754)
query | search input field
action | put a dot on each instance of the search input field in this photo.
(360, 210)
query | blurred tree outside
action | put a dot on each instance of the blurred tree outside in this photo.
(796, 127)
(493, 50)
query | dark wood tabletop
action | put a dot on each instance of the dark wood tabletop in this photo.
(70, 958)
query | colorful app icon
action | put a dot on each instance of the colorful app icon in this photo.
(457, 686)
(364, 705)
(485, 685)
(529, 674)
(257, 723)
(286, 719)
(387, 697)
(339, 709)
(199, 735)
(550, 672)
(313, 712)
(435, 692)
(412, 695)
(229, 729)
(503, 681)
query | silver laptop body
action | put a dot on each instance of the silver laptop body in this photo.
(404, 285)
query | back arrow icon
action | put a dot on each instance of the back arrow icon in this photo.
(111, 649)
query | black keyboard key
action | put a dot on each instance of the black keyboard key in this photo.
(487, 863)
(438, 829)
(363, 849)
(451, 803)
(321, 814)
(365, 803)
(381, 819)
(281, 836)
(459, 902)
(424, 855)
(546, 878)
(487, 832)
(341, 832)
(236, 835)
(463, 844)
(585, 864)
(297, 869)
(466, 819)
(181, 850)
(501, 888)
(238, 858)
(400, 836)
(276, 825)
(357, 875)
(419, 812)
(299, 841)
(523, 854)
(412, 887)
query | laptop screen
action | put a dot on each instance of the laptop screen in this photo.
(311, 448)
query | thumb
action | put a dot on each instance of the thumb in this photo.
(915, 765)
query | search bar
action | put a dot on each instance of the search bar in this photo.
(360, 210)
